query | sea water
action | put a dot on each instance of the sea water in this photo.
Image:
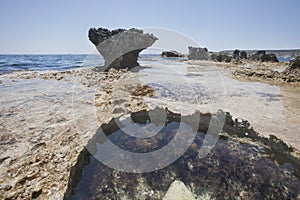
(60, 62)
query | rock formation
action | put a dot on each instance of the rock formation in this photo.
(197, 53)
(290, 75)
(293, 70)
(243, 55)
(221, 57)
(237, 54)
(294, 64)
(120, 48)
(171, 54)
(263, 57)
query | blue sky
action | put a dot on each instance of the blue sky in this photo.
(58, 26)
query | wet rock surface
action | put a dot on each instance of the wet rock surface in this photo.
(242, 164)
(120, 48)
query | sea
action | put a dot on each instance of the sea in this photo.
(60, 62)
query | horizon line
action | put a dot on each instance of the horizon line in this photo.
(285, 49)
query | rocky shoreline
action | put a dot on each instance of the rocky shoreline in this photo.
(289, 74)
(41, 143)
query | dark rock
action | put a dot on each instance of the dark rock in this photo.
(292, 72)
(120, 48)
(236, 54)
(243, 55)
(221, 57)
(171, 54)
(295, 64)
(197, 53)
(263, 57)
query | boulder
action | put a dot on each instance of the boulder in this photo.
(263, 57)
(171, 54)
(221, 57)
(120, 48)
(197, 53)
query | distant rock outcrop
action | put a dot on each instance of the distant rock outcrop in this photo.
(243, 55)
(293, 70)
(120, 48)
(263, 57)
(171, 54)
(237, 54)
(221, 57)
(290, 75)
(294, 64)
(197, 53)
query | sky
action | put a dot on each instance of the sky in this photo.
(61, 26)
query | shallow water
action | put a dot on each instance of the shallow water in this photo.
(188, 87)
(233, 169)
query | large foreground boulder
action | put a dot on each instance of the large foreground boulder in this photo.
(197, 53)
(120, 48)
(263, 57)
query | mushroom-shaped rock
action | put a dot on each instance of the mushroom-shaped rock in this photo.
(120, 48)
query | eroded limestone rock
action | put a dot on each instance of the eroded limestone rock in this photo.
(120, 48)
(197, 53)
